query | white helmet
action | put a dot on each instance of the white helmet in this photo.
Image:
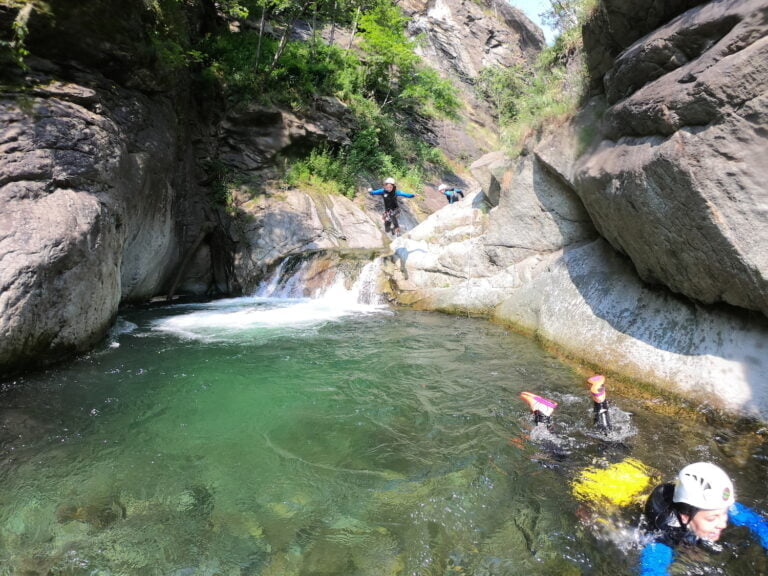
(442, 187)
(704, 486)
(389, 180)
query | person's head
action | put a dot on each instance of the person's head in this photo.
(389, 184)
(703, 494)
(442, 188)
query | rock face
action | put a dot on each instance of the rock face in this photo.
(98, 184)
(589, 301)
(86, 215)
(618, 23)
(250, 137)
(534, 260)
(617, 254)
(460, 38)
(296, 222)
(677, 182)
(473, 254)
(463, 37)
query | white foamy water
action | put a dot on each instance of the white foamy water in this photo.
(234, 318)
(120, 327)
(366, 285)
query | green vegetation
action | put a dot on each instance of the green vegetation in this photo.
(380, 147)
(567, 17)
(528, 97)
(12, 42)
(273, 52)
(380, 79)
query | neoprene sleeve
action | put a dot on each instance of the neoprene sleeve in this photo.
(380, 192)
(655, 559)
(742, 515)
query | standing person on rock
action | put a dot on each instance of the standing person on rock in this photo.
(389, 193)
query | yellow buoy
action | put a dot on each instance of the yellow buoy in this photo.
(621, 484)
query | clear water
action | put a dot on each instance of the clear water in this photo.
(277, 437)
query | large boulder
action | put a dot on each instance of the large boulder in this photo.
(678, 181)
(251, 137)
(469, 255)
(94, 162)
(589, 301)
(86, 213)
(616, 24)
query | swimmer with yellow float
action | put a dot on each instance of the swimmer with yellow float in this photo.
(611, 486)
(690, 512)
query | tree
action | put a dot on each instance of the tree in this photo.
(389, 53)
(566, 15)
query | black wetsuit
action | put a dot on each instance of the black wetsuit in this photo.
(391, 206)
(663, 520)
(390, 200)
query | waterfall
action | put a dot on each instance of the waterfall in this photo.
(302, 292)
(324, 275)
(284, 283)
(269, 287)
(366, 286)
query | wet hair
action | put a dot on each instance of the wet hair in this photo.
(683, 508)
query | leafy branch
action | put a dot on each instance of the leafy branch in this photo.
(14, 47)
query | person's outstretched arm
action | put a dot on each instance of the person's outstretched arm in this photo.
(742, 515)
(404, 194)
(655, 559)
(378, 192)
(459, 192)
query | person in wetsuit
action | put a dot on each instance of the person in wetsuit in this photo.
(389, 194)
(693, 511)
(452, 194)
(599, 402)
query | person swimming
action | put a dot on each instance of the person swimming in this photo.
(599, 402)
(541, 408)
(693, 511)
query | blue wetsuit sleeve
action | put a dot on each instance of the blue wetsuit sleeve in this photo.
(742, 515)
(404, 194)
(655, 559)
(378, 192)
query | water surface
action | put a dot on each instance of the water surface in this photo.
(294, 437)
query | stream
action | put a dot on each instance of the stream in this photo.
(292, 436)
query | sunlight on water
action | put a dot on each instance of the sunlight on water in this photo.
(226, 321)
(270, 436)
